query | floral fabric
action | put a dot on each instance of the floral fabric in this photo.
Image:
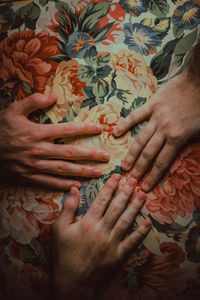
(103, 59)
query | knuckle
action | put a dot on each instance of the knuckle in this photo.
(140, 139)
(124, 224)
(147, 155)
(61, 170)
(160, 164)
(36, 151)
(176, 136)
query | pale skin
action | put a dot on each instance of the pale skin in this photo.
(174, 118)
(86, 252)
(28, 152)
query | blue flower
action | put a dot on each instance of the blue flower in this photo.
(141, 38)
(133, 7)
(187, 16)
(78, 43)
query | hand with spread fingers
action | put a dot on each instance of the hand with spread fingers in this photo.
(27, 149)
(174, 118)
(85, 252)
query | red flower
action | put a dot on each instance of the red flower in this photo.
(162, 277)
(25, 58)
(179, 195)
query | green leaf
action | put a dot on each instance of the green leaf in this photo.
(43, 2)
(177, 31)
(92, 189)
(63, 35)
(26, 87)
(87, 90)
(34, 253)
(90, 102)
(58, 58)
(103, 71)
(160, 25)
(161, 62)
(159, 8)
(103, 60)
(62, 46)
(90, 55)
(138, 102)
(71, 21)
(28, 15)
(183, 46)
(85, 73)
(91, 15)
(100, 89)
(102, 33)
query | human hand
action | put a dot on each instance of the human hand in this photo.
(27, 149)
(87, 251)
(174, 118)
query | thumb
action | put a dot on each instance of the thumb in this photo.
(70, 206)
(34, 102)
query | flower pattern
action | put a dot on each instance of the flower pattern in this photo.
(133, 7)
(187, 16)
(103, 59)
(141, 38)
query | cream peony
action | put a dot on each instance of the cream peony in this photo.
(108, 115)
(133, 74)
(67, 86)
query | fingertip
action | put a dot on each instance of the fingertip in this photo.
(51, 98)
(146, 187)
(141, 195)
(125, 165)
(147, 224)
(116, 177)
(74, 191)
(116, 131)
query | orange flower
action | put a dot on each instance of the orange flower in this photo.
(180, 192)
(24, 58)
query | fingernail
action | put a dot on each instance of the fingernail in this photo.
(77, 185)
(116, 131)
(96, 172)
(104, 155)
(98, 128)
(145, 187)
(73, 191)
(131, 181)
(51, 97)
(116, 177)
(125, 165)
(147, 223)
(141, 196)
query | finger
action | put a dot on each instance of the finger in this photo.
(162, 163)
(148, 154)
(138, 144)
(69, 152)
(134, 239)
(103, 198)
(66, 168)
(70, 207)
(119, 203)
(52, 181)
(69, 129)
(133, 118)
(34, 102)
(129, 215)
